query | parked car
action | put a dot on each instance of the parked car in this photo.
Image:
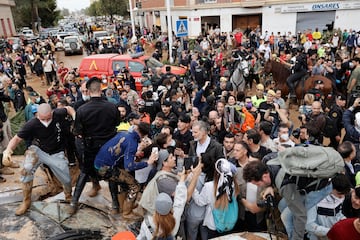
(15, 43)
(72, 44)
(98, 35)
(105, 64)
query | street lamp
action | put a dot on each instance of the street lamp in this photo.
(133, 39)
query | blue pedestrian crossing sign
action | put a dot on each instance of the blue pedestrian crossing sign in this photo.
(181, 28)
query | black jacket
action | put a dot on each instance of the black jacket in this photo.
(213, 152)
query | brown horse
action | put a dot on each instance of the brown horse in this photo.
(280, 73)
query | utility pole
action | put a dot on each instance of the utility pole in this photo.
(169, 32)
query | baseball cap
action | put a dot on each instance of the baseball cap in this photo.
(163, 155)
(34, 94)
(341, 97)
(163, 204)
(147, 83)
(132, 116)
(167, 103)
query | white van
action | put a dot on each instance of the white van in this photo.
(98, 35)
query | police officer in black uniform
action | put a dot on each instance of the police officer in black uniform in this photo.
(299, 70)
(95, 123)
(334, 126)
(317, 91)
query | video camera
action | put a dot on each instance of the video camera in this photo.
(268, 202)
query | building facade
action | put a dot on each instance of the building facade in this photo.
(7, 26)
(272, 15)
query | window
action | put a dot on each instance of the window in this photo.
(136, 66)
(118, 65)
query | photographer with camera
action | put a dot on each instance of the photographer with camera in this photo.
(315, 121)
(300, 136)
(58, 89)
(295, 203)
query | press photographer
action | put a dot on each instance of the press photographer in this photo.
(315, 121)
(299, 191)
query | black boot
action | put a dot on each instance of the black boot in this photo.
(79, 187)
(114, 191)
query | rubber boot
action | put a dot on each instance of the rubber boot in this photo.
(79, 187)
(6, 171)
(121, 198)
(67, 193)
(14, 165)
(25, 205)
(128, 213)
(114, 191)
(95, 189)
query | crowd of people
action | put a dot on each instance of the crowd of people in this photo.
(187, 148)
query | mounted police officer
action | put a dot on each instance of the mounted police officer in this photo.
(299, 70)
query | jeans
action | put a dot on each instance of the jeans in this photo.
(293, 208)
(57, 162)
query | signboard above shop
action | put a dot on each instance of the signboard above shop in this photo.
(321, 6)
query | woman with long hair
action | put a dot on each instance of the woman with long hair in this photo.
(217, 194)
(165, 222)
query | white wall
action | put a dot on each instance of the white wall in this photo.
(278, 22)
(225, 15)
(346, 19)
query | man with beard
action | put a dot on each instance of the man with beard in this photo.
(124, 124)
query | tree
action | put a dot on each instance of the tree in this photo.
(94, 9)
(108, 8)
(65, 12)
(28, 12)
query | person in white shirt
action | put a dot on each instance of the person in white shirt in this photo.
(283, 138)
(327, 212)
(49, 67)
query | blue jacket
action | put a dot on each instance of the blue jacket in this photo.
(351, 133)
(120, 151)
(197, 101)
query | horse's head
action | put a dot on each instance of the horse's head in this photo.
(244, 67)
(268, 66)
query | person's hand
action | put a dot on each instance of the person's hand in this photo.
(207, 83)
(267, 191)
(6, 160)
(179, 152)
(153, 158)
(197, 170)
(356, 102)
(277, 107)
(182, 175)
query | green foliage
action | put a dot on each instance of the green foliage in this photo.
(26, 13)
(192, 43)
(108, 8)
(16, 122)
